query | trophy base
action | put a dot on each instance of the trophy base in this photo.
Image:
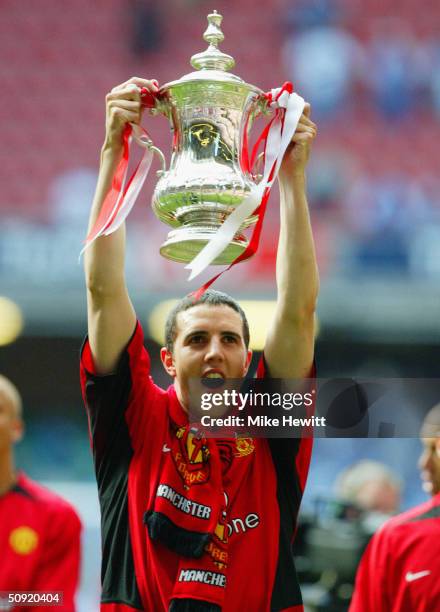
(183, 244)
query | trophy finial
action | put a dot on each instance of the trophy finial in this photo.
(213, 34)
(213, 58)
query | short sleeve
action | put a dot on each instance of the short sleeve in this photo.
(126, 423)
(120, 405)
(292, 456)
(291, 460)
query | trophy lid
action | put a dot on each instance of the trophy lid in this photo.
(212, 64)
(212, 58)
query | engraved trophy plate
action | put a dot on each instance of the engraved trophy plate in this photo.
(210, 111)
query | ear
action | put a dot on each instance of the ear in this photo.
(168, 361)
(17, 431)
(248, 361)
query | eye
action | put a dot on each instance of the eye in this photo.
(197, 339)
(230, 339)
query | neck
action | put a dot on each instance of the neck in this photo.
(8, 475)
(180, 396)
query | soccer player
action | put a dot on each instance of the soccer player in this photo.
(39, 531)
(188, 523)
(400, 569)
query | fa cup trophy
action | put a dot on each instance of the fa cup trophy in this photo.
(210, 194)
(211, 112)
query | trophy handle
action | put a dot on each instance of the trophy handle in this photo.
(262, 108)
(146, 142)
(161, 156)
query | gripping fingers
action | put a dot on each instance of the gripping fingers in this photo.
(310, 129)
(138, 83)
(307, 121)
(150, 84)
(302, 137)
(119, 115)
(131, 105)
(307, 109)
(130, 92)
(124, 104)
(124, 110)
(305, 117)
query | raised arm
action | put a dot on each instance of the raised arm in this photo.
(290, 342)
(111, 317)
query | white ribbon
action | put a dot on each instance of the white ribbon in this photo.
(278, 139)
(124, 204)
(136, 183)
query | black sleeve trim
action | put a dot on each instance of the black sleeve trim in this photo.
(286, 591)
(107, 400)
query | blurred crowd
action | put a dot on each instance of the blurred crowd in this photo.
(372, 77)
(370, 70)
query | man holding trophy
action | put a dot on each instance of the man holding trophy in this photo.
(190, 523)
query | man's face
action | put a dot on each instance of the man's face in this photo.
(11, 425)
(379, 496)
(429, 465)
(209, 343)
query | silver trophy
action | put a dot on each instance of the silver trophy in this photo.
(211, 112)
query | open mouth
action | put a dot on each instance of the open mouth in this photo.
(213, 380)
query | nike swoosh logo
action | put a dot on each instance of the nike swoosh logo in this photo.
(410, 577)
(166, 448)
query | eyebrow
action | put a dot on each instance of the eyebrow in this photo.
(231, 333)
(197, 332)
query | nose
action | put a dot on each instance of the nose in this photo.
(214, 352)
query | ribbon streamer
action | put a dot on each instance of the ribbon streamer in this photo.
(122, 195)
(289, 107)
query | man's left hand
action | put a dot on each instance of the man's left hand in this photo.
(297, 153)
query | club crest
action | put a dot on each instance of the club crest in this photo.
(191, 457)
(244, 447)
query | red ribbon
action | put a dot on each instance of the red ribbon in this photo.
(247, 162)
(109, 209)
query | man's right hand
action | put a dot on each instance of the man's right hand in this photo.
(124, 105)
(111, 316)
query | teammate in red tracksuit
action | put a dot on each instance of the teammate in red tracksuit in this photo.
(39, 531)
(136, 427)
(400, 569)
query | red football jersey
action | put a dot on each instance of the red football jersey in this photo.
(39, 543)
(400, 569)
(129, 428)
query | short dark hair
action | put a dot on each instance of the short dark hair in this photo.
(210, 297)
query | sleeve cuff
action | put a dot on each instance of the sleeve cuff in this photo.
(86, 358)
